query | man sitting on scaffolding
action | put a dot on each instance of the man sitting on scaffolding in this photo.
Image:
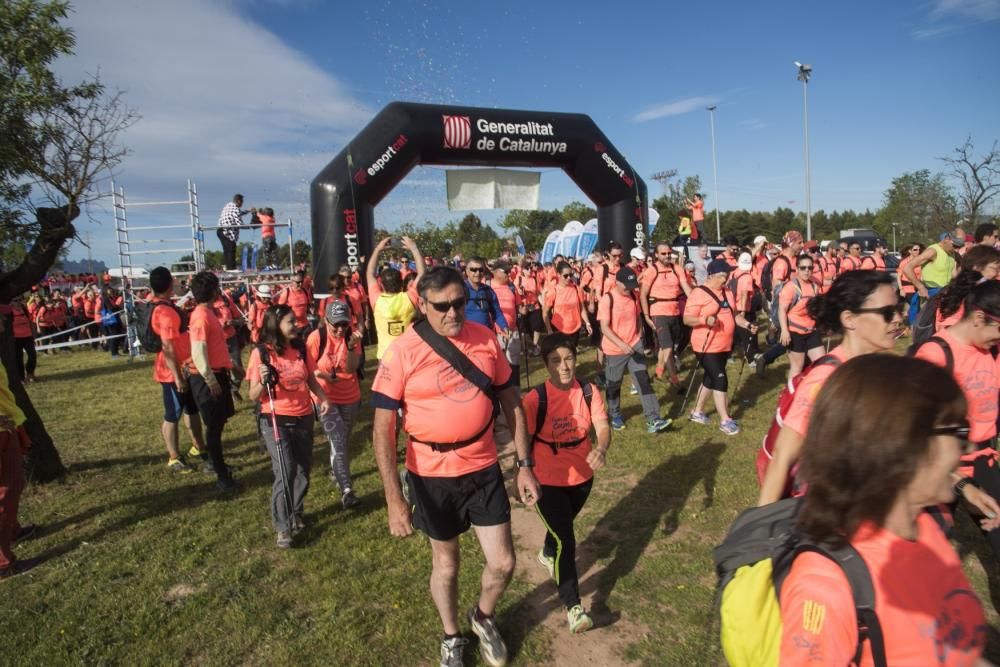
(228, 232)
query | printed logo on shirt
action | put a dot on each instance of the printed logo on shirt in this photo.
(951, 632)
(453, 386)
(568, 427)
(813, 616)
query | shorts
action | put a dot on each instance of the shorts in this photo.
(174, 401)
(596, 334)
(805, 342)
(668, 330)
(214, 410)
(445, 507)
(714, 364)
(533, 322)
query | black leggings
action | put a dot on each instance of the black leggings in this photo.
(215, 411)
(25, 346)
(987, 477)
(714, 364)
(558, 506)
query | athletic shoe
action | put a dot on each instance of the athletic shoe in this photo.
(451, 651)
(759, 365)
(658, 425)
(491, 646)
(26, 533)
(579, 620)
(548, 562)
(298, 525)
(349, 500)
(19, 567)
(284, 539)
(236, 396)
(698, 418)
(195, 452)
(179, 466)
(730, 427)
(617, 423)
(227, 485)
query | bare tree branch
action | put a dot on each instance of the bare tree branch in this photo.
(979, 179)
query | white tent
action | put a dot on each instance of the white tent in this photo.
(551, 247)
(588, 239)
(654, 217)
(570, 238)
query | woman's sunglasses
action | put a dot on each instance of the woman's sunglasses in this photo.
(444, 306)
(960, 431)
(887, 312)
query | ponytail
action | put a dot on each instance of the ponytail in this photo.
(952, 296)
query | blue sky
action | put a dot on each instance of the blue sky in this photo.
(257, 96)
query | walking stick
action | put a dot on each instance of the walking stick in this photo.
(282, 466)
(743, 364)
(694, 371)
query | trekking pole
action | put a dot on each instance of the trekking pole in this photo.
(523, 333)
(694, 371)
(743, 365)
(282, 466)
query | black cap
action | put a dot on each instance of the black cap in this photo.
(627, 277)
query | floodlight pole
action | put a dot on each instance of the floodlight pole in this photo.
(805, 71)
(894, 237)
(715, 173)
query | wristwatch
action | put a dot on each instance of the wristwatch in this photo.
(526, 463)
(961, 484)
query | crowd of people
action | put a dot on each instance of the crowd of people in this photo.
(871, 463)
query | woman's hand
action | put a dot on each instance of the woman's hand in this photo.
(597, 458)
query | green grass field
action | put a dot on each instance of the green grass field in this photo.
(141, 566)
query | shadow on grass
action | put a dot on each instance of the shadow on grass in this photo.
(622, 536)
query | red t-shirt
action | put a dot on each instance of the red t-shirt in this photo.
(291, 392)
(925, 605)
(333, 360)
(439, 405)
(204, 326)
(566, 419)
(166, 324)
(622, 313)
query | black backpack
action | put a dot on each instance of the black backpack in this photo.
(926, 323)
(543, 406)
(766, 281)
(143, 312)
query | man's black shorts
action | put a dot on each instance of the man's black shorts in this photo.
(668, 330)
(805, 342)
(533, 321)
(445, 507)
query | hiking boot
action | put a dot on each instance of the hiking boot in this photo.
(548, 562)
(579, 620)
(349, 500)
(179, 466)
(284, 539)
(617, 423)
(491, 646)
(698, 418)
(451, 651)
(26, 533)
(759, 365)
(658, 425)
(730, 427)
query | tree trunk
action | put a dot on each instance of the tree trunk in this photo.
(56, 227)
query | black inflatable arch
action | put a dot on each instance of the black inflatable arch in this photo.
(404, 135)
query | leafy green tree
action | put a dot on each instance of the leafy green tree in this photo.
(578, 211)
(920, 204)
(55, 141)
(533, 226)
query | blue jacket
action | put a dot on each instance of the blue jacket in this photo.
(483, 307)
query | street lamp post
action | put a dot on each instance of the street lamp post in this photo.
(715, 174)
(894, 237)
(805, 71)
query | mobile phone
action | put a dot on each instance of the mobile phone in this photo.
(396, 243)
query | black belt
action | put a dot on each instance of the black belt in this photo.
(451, 446)
(653, 299)
(556, 446)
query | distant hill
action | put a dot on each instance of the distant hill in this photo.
(82, 266)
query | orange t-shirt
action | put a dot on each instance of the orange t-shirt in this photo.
(829, 268)
(22, 324)
(744, 290)
(298, 300)
(565, 302)
(291, 392)
(698, 211)
(509, 302)
(204, 326)
(566, 419)
(782, 268)
(166, 323)
(267, 225)
(850, 263)
(256, 319)
(225, 311)
(801, 408)
(702, 304)
(908, 287)
(527, 288)
(439, 405)
(799, 320)
(976, 372)
(622, 312)
(873, 262)
(665, 285)
(927, 610)
(759, 262)
(333, 360)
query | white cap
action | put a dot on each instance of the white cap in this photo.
(759, 239)
(264, 291)
(745, 262)
(637, 253)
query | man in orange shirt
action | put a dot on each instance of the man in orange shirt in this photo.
(175, 349)
(663, 285)
(621, 343)
(453, 475)
(230, 316)
(876, 260)
(255, 314)
(209, 373)
(297, 297)
(268, 242)
(528, 288)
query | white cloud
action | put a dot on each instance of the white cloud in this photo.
(675, 108)
(977, 10)
(222, 100)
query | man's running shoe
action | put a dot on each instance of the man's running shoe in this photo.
(658, 425)
(730, 427)
(759, 365)
(548, 562)
(19, 567)
(451, 651)
(195, 452)
(179, 466)
(579, 620)
(284, 540)
(698, 418)
(349, 500)
(26, 532)
(226, 485)
(491, 645)
(617, 423)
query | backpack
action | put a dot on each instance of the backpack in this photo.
(543, 404)
(754, 303)
(109, 318)
(926, 323)
(766, 280)
(148, 338)
(776, 302)
(785, 399)
(752, 564)
(265, 359)
(673, 269)
(322, 348)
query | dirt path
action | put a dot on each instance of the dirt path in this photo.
(603, 645)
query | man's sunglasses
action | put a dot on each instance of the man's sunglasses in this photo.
(805, 267)
(567, 275)
(444, 306)
(474, 269)
(887, 312)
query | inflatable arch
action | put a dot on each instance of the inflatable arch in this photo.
(404, 135)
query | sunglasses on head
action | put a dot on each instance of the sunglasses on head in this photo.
(887, 312)
(444, 306)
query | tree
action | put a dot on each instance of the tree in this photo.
(920, 204)
(578, 211)
(979, 179)
(56, 140)
(533, 226)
